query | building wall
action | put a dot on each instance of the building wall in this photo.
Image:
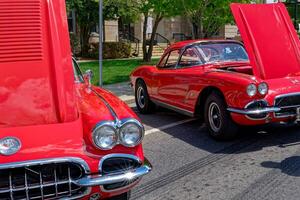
(166, 28)
(111, 31)
(172, 26)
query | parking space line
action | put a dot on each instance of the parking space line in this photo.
(154, 130)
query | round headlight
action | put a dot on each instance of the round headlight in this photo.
(9, 146)
(263, 88)
(131, 134)
(105, 137)
(251, 90)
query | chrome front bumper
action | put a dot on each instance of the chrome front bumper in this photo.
(254, 111)
(127, 176)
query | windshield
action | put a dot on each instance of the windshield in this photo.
(222, 52)
(77, 73)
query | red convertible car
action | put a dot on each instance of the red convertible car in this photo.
(229, 83)
(60, 137)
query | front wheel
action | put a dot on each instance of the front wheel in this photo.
(142, 99)
(124, 196)
(217, 118)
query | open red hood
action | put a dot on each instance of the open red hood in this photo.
(270, 39)
(36, 74)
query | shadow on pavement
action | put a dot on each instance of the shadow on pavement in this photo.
(289, 166)
(196, 134)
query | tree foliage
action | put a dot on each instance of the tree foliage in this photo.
(157, 9)
(208, 16)
(87, 15)
(120, 9)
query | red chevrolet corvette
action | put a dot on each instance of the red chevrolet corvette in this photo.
(60, 137)
(228, 83)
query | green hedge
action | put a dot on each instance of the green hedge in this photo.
(112, 50)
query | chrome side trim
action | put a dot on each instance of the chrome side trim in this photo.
(254, 111)
(113, 113)
(174, 108)
(78, 161)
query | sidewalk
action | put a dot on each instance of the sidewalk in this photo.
(122, 90)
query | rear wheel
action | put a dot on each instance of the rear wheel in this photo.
(217, 118)
(124, 196)
(142, 100)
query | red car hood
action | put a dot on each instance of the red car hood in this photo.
(36, 74)
(270, 39)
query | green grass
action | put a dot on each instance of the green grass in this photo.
(114, 71)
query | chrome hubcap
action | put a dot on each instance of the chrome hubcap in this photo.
(214, 117)
(141, 97)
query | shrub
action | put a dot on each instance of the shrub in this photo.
(111, 50)
(75, 44)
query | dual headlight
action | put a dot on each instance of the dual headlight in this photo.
(107, 135)
(262, 89)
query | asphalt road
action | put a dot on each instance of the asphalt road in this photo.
(262, 163)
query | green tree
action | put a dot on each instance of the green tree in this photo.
(158, 9)
(207, 16)
(87, 17)
(116, 9)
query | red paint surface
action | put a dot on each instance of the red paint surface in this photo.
(270, 39)
(39, 102)
(183, 87)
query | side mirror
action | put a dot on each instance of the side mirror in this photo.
(88, 76)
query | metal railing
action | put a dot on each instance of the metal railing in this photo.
(158, 38)
(180, 37)
(131, 38)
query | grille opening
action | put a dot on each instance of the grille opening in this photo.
(117, 165)
(258, 105)
(288, 105)
(51, 181)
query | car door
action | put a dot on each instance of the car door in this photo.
(188, 74)
(164, 78)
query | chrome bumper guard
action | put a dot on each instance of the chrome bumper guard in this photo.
(97, 180)
(254, 111)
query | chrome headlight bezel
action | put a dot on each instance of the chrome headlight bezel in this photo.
(251, 90)
(138, 126)
(263, 88)
(117, 127)
(101, 126)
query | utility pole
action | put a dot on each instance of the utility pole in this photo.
(101, 43)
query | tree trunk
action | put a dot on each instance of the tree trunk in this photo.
(195, 31)
(154, 30)
(146, 15)
(85, 33)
